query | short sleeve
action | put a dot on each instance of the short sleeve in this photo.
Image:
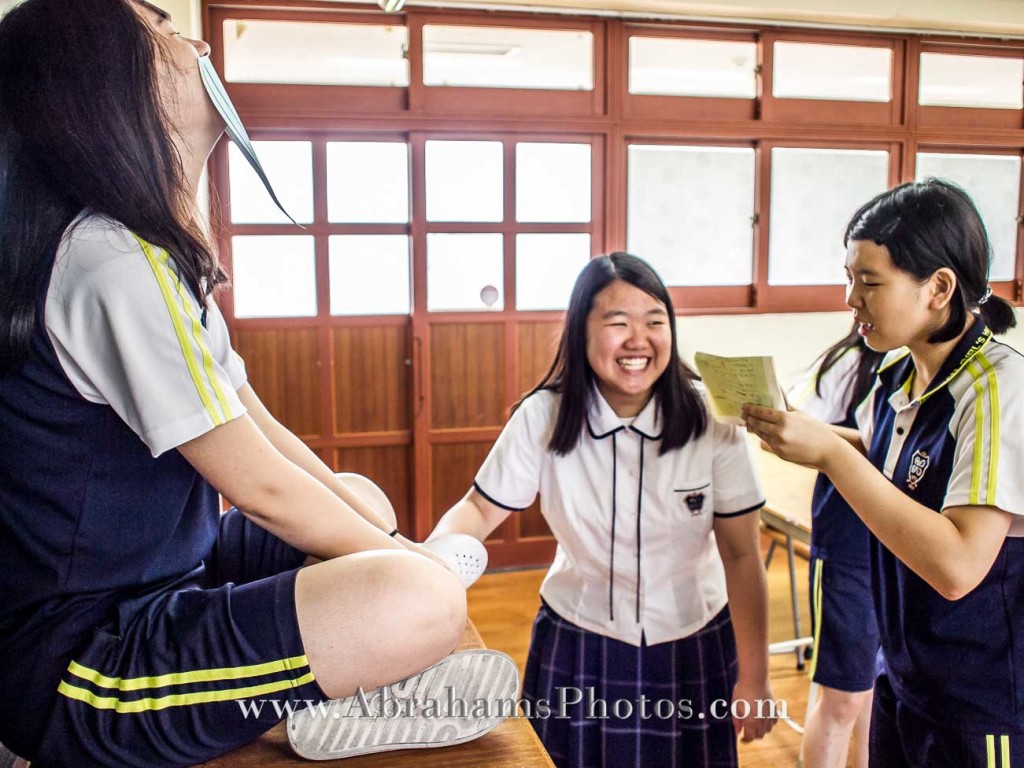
(129, 333)
(510, 476)
(220, 346)
(990, 438)
(736, 483)
(830, 405)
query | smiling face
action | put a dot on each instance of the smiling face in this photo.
(629, 345)
(893, 309)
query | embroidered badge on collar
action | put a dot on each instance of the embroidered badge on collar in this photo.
(918, 466)
(695, 503)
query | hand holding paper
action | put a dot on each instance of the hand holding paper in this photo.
(733, 381)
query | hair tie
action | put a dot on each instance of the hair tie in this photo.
(988, 292)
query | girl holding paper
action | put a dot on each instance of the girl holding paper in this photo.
(654, 507)
(934, 472)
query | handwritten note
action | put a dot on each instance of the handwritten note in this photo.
(733, 381)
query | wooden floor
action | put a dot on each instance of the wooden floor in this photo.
(503, 605)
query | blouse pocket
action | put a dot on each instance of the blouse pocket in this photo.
(692, 498)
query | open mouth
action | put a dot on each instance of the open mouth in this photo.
(865, 329)
(633, 364)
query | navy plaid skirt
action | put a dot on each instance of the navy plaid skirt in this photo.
(596, 702)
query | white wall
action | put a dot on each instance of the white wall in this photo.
(794, 340)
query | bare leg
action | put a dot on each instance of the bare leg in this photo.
(373, 618)
(861, 732)
(829, 726)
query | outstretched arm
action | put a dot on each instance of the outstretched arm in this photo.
(472, 515)
(297, 452)
(279, 495)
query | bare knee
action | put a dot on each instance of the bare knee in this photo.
(376, 617)
(842, 707)
(436, 607)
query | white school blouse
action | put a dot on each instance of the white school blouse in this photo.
(636, 553)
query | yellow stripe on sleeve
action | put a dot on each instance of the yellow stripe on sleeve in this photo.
(179, 330)
(179, 699)
(184, 678)
(993, 447)
(197, 335)
(990, 751)
(1004, 748)
(979, 433)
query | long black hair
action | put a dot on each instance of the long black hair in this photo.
(863, 376)
(82, 126)
(683, 415)
(929, 225)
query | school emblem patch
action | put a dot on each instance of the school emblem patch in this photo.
(918, 466)
(695, 503)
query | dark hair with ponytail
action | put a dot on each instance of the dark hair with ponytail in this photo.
(683, 415)
(82, 126)
(929, 225)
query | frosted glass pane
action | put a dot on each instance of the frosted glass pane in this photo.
(553, 182)
(315, 53)
(369, 274)
(505, 57)
(688, 212)
(368, 182)
(464, 181)
(993, 181)
(668, 67)
(289, 166)
(836, 72)
(273, 276)
(814, 194)
(464, 271)
(948, 80)
(547, 265)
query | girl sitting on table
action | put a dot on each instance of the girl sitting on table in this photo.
(654, 507)
(138, 625)
(935, 473)
(845, 630)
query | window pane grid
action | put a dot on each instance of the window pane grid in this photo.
(518, 208)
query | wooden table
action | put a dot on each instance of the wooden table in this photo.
(513, 744)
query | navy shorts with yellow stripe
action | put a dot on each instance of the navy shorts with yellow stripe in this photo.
(192, 672)
(903, 738)
(846, 636)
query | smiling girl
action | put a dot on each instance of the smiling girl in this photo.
(935, 473)
(654, 508)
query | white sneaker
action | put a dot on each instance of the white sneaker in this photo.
(459, 699)
(463, 554)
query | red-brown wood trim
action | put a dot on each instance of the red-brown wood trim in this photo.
(521, 553)
(360, 439)
(451, 435)
(806, 298)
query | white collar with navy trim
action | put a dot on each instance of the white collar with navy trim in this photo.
(602, 421)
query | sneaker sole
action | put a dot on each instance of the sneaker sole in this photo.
(344, 728)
